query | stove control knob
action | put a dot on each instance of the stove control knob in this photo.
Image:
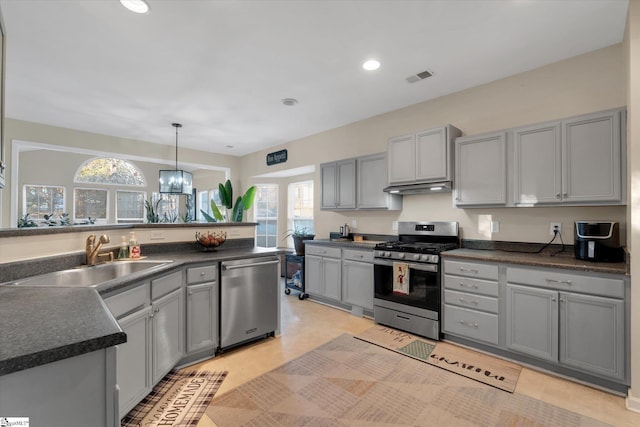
(416, 257)
(401, 256)
(424, 258)
(387, 254)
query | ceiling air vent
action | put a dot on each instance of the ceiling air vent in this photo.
(420, 76)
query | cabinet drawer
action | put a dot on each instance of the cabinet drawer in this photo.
(468, 284)
(128, 301)
(557, 279)
(472, 324)
(476, 302)
(321, 250)
(357, 255)
(165, 284)
(206, 273)
(471, 269)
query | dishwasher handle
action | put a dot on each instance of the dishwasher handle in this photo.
(253, 264)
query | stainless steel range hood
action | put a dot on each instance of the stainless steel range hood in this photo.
(427, 188)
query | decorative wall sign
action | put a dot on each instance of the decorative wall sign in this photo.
(277, 157)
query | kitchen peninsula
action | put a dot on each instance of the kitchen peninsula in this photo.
(70, 330)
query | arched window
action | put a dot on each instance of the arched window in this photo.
(103, 170)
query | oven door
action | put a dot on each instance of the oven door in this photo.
(424, 285)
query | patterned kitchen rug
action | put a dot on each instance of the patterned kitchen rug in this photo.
(471, 364)
(349, 382)
(179, 399)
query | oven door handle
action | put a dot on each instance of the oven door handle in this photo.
(420, 267)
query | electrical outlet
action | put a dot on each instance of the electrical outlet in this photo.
(354, 223)
(555, 226)
(495, 226)
(394, 225)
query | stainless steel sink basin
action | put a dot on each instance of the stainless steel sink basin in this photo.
(90, 276)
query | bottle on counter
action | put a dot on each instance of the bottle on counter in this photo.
(124, 248)
(134, 248)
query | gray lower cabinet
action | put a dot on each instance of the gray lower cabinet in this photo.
(168, 332)
(323, 272)
(134, 356)
(532, 321)
(357, 278)
(202, 308)
(557, 316)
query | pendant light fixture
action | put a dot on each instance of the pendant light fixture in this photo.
(176, 181)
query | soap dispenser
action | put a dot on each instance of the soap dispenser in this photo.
(134, 248)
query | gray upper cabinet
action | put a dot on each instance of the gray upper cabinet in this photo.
(591, 152)
(422, 157)
(338, 185)
(575, 161)
(537, 164)
(372, 179)
(481, 170)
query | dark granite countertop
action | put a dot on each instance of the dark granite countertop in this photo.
(344, 243)
(545, 259)
(43, 324)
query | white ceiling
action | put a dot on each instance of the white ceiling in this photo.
(221, 68)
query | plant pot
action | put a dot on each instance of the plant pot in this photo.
(298, 242)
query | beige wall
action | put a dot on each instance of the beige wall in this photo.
(587, 83)
(632, 44)
(71, 140)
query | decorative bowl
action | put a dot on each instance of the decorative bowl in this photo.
(210, 241)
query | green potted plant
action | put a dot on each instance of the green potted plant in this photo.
(299, 235)
(226, 197)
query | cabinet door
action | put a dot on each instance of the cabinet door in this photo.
(168, 333)
(592, 334)
(481, 177)
(202, 316)
(313, 274)
(432, 155)
(402, 166)
(592, 158)
(347, 184)
(372, 179)
(328, 181)
(538, 164)
(133, 364)
(532, 321)
(357, 279)
(331, 278)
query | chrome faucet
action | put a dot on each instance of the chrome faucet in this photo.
(92, 250)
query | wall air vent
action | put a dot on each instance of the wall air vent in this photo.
(420, 76)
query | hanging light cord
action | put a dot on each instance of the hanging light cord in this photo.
(176, 125)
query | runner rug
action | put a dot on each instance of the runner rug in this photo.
(348, 382)
(179, 399)
(471, 364)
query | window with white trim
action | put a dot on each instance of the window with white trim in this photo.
(300, 211)
(41, 200)
(266, 215)
(90, 204)
(130, 206)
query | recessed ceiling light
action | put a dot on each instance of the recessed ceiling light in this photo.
(371, 65)
(137, 6)
(289, 102)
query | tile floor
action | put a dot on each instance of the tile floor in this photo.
(306, 325)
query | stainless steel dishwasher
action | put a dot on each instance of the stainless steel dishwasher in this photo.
(248, 299)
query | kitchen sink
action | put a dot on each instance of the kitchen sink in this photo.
(86, 276)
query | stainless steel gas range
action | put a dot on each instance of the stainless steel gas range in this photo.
(407, 276)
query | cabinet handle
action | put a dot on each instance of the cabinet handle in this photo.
(470, 270)
(562, 300)
(464, 285)
(566, 282)
(557, 195)
(553, 299)
(190, 292)
(468, 301)
(157, 310)
(202, 274)
(565, 194)
(469, 324)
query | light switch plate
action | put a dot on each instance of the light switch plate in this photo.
(495, 226)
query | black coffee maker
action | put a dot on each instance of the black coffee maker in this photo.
(598, 241)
